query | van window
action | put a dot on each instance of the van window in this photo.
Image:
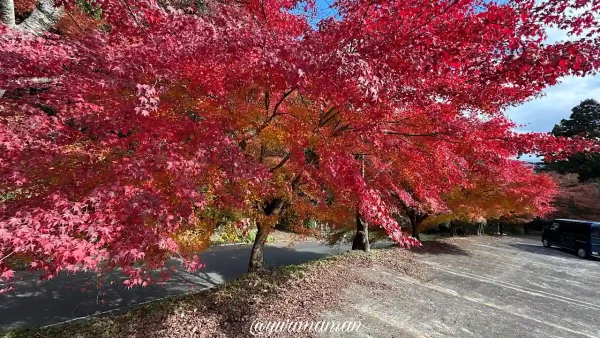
(564, 227)
(596, 230)
(554, 226)
(580, 229)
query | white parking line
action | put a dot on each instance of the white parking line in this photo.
(514, 287)
(491, 305)
(536, 262)
(549, 258)
(480, 260)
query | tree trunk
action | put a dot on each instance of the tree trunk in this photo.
(7, 12)
(414, 224)
(361, 238)
(257, 254)
(45, 15)
(273, 207)
(42, 19)
(452, 228)
(415, 232)
(526, 229)
(7, 17)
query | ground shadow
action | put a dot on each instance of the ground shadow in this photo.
(35, 303)
(226, 310)
(553, 251)
(440, 248)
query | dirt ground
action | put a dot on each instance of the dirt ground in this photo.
(487, 287)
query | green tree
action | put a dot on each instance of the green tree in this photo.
(584, 121)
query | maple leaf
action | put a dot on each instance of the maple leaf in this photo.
(7, 274)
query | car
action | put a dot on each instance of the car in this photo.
(580, 236)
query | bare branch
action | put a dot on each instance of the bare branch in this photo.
(5, 257)
(281, 163)
(131, 13)
(272, 116)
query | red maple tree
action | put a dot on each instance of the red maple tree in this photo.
(120, 138)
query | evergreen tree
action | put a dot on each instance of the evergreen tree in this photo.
(584, 121)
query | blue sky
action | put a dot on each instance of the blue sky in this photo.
(323, 9)
(541, 114)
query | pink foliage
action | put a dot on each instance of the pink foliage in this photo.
(105, 162)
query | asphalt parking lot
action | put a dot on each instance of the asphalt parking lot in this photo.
(503, 287)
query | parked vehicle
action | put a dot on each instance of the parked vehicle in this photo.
(581, 236)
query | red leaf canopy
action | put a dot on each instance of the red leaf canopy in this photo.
(115, 140)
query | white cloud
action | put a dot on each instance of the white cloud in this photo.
(543, 113)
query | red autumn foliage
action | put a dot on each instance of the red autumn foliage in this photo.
(577, 200)
(116, 140)
(23, 7)
(76, 23)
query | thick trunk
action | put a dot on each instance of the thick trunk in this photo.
(414, 223)
(7, 12)
(42, 19)
(361, 238)
(415, 232)
(257, 254)
(273, 207)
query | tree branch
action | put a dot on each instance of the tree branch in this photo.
(281, 163)
(5, 257)
(131, 13)
(272, 116)
(454, 2)
(388, 132)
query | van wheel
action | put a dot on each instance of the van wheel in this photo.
(546, 243)
(582, 253)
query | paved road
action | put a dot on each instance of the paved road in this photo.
(513, 287)
(37, 303)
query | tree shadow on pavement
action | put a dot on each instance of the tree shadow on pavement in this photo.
(440, 248)
(553, 251)
(35, 303)
(224, 311)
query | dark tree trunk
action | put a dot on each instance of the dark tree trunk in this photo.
(526, 229)
(257, 254)
(414, 224)
(501, 228)
(273, 207)
(452, 228)
(415, 232)
(361, 238)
